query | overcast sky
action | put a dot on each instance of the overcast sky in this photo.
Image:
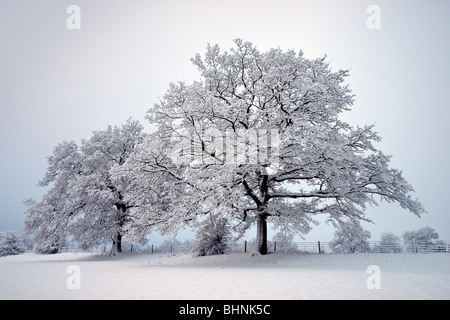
(60, 84)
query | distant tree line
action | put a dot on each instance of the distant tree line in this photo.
(351, 238)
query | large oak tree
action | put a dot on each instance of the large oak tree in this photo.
(259, 137)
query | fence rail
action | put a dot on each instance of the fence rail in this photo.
(305, 247)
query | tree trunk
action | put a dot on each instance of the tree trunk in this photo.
(116, 246)
(119, 243)
(261, 236)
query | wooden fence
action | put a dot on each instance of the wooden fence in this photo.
(310, 247)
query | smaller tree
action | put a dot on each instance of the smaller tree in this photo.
(169, 246)
(284, 241)
(420, 240)
(83, 204)
(389, 243)
(213, 237)
(11, 243)
(350, 238)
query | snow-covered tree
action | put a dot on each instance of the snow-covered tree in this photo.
(167, 245)
(350, 237)
(419, 240)
(213, 237)
(11, 243)
(83, 202)
(389, 242)
(259, 137)
(47, 219)
(284, 241)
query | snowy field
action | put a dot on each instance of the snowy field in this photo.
(232, 276)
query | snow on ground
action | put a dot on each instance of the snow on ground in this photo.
(231, 276)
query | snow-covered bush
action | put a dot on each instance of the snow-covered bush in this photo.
(420, 240)
(168, 246)
(11, 243)
(284, 242)
(350, 238)
(46, 249)
(212, 238)
(389, 243)
(172, 246)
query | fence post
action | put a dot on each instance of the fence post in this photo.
(245, 246)
(274, 246)
(318, 243)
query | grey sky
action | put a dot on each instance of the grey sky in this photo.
(58, 84)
